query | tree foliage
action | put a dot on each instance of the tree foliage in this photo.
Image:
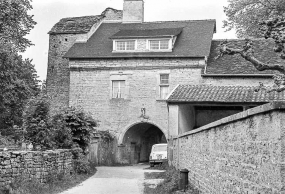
(67, 129)
(15, 24)
(18, 79)
(18, 82)
(273, 28)
(77, 123)
(37, 126)
(245, 15)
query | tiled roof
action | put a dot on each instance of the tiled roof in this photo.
(235, 64)
(193, 41)
(147, 33)
(77, 25)
(222, 94)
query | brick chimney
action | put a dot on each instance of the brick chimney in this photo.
(133, 11)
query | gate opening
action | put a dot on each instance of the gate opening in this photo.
(139, 140)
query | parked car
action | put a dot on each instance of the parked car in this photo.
(158, 154)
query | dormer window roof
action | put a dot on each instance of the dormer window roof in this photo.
(150, 40)
(194, 40)
(149, 33)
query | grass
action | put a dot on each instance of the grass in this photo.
(154, 175)
(169, 185)
(56, 183)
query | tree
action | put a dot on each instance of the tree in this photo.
(77, 123)
(18, 82)
(245, 15)
(15, 24)
(37, 126)
(272, 29)
(18, 79)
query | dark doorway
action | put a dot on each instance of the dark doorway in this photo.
(139, 140)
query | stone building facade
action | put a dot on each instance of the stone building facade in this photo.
(124, 70)
(61, 38)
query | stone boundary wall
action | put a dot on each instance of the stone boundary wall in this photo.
(242, 153)
(33, 164)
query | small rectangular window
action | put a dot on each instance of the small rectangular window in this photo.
(164, 44)
(118, 89)
(159, 44)
(154, 44)
(164, 86)
(164, 79)
(125, 45)
(163, 92)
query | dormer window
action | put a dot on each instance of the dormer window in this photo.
(125, 45)
(147, 40)
(159, 44)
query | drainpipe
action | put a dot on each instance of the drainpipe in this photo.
(178, 162)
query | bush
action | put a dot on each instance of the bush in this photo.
(170, 182)
(81, 165)
(57, 182)
(169, 185)
(76, 128)
(22, 185)
(36, 122)
(64, 130)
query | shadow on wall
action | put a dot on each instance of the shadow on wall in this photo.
(136, 146)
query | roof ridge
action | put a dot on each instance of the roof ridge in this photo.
(210, 85)
(116, 10)
(179, 21)
(79, 17)
(238, 39)
(102, 14)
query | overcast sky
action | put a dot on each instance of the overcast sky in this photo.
(48, 12)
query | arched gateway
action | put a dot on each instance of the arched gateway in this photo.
(137, 141)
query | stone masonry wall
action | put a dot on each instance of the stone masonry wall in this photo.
(91, 86)
(33, 164)
(237, 81)
(58, 71)
(242, 153)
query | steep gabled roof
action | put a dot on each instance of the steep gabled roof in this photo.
(222, 94)
(235, 64)
(79, 25)
(193, 41)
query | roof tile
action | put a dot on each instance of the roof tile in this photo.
(222, 94)
(147, 33)
(193, 41)
(235, 64)
(79, 25)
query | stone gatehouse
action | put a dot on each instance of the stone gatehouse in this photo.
(124, 70)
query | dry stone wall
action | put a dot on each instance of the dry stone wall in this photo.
(33, 164)
(243, 153)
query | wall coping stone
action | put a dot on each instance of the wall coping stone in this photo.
(275, 105)
(37, 152)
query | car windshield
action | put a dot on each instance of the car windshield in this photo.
(160, 148)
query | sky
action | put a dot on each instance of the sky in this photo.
(49, 12)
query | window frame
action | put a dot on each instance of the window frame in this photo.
(163, 85)
(115, 42)
(122, 94)
(160, 39)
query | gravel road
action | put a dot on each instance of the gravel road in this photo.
(113, 180)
